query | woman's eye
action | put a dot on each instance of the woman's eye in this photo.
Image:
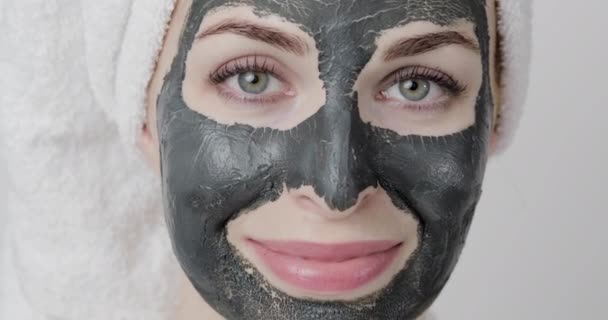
(414, 90)
(255, 83)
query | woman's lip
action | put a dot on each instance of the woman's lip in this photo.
(326, 252)
(326, 268)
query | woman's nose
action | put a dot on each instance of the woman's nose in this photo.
(334, 159)
(308, 200)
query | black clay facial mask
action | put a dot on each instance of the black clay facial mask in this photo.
(214, 172)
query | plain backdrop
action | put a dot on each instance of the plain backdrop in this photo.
(537, 248)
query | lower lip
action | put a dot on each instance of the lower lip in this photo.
(324, 275)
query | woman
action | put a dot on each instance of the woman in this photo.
(318, 160)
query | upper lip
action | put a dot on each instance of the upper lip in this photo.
(327, 252)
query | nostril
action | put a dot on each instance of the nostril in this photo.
(306, 199)
(364, 198)
(307, 203)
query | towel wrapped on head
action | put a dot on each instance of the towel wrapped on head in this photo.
(86, 233)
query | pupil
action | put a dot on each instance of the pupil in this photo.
(252, 78)
(415, 90)
(254, 82)
(412, 85)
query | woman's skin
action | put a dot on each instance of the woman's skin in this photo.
(298, 91)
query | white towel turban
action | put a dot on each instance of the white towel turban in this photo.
(87, 236)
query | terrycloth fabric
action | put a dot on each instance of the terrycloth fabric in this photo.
(515, 27)
(87, 239)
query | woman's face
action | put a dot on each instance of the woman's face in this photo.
(322, 159)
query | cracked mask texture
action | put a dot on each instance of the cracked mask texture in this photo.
(212, 172)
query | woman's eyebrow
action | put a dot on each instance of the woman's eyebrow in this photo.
(427, 42)
(272, 36)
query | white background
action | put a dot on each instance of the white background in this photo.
(537, 248)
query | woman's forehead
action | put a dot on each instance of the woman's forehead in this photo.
(356, 16)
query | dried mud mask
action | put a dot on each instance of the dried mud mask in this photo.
(213, 172)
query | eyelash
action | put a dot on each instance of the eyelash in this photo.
(238, 66)
(451, 87)
(418, 72)
(243, 65)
